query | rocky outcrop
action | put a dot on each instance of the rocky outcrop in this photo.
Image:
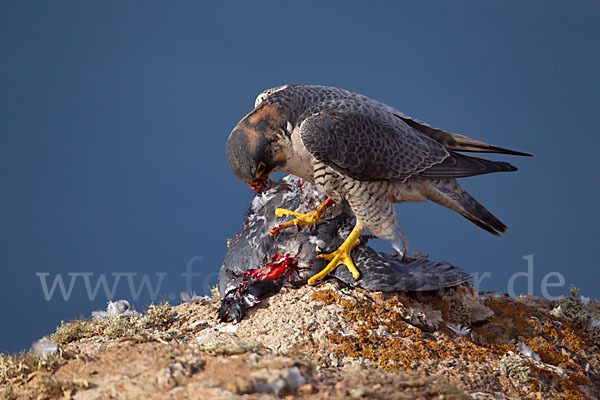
(330, 341)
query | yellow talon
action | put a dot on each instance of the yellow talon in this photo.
(309, 219)
(340, 256)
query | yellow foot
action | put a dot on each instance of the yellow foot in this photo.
(340, 256)
(309, 219)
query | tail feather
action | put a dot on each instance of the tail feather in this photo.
(450, 194)
(456, 142)
(461, 166)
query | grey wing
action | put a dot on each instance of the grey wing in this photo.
(366, 148)
(454, 141)
(387, 273)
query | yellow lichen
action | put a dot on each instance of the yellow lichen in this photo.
(408, 344)
(327, 296)
(548, 352)
(383, 337)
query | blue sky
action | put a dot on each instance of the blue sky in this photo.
(114, 117)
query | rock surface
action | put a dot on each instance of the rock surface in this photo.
(331, 341)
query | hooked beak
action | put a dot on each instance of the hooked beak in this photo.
(258, 184)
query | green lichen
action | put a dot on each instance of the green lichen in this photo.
(513, 366)
(461, 315)
(215, 294)
(157, 316)
(20, 367)
(74, 330)
(574, 310)
(594, 335)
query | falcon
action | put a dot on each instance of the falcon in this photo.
(357, 150)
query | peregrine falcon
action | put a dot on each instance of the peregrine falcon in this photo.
(358, 150)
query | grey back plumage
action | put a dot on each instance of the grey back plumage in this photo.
(368, 140)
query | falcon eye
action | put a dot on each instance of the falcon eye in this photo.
(260, 169)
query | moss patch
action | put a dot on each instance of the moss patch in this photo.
(32, 374)
(513, 366)
(157, 316)
(23, 366)
(573, 310)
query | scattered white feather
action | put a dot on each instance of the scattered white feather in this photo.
(526, 351)
(43, 347)
(557, 311)
(459, 329)
(191, 298)
(115, 308)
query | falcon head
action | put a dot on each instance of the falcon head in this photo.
(256, 146)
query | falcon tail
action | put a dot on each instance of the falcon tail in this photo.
(450, 194)
(456, 142)
(461, 166)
